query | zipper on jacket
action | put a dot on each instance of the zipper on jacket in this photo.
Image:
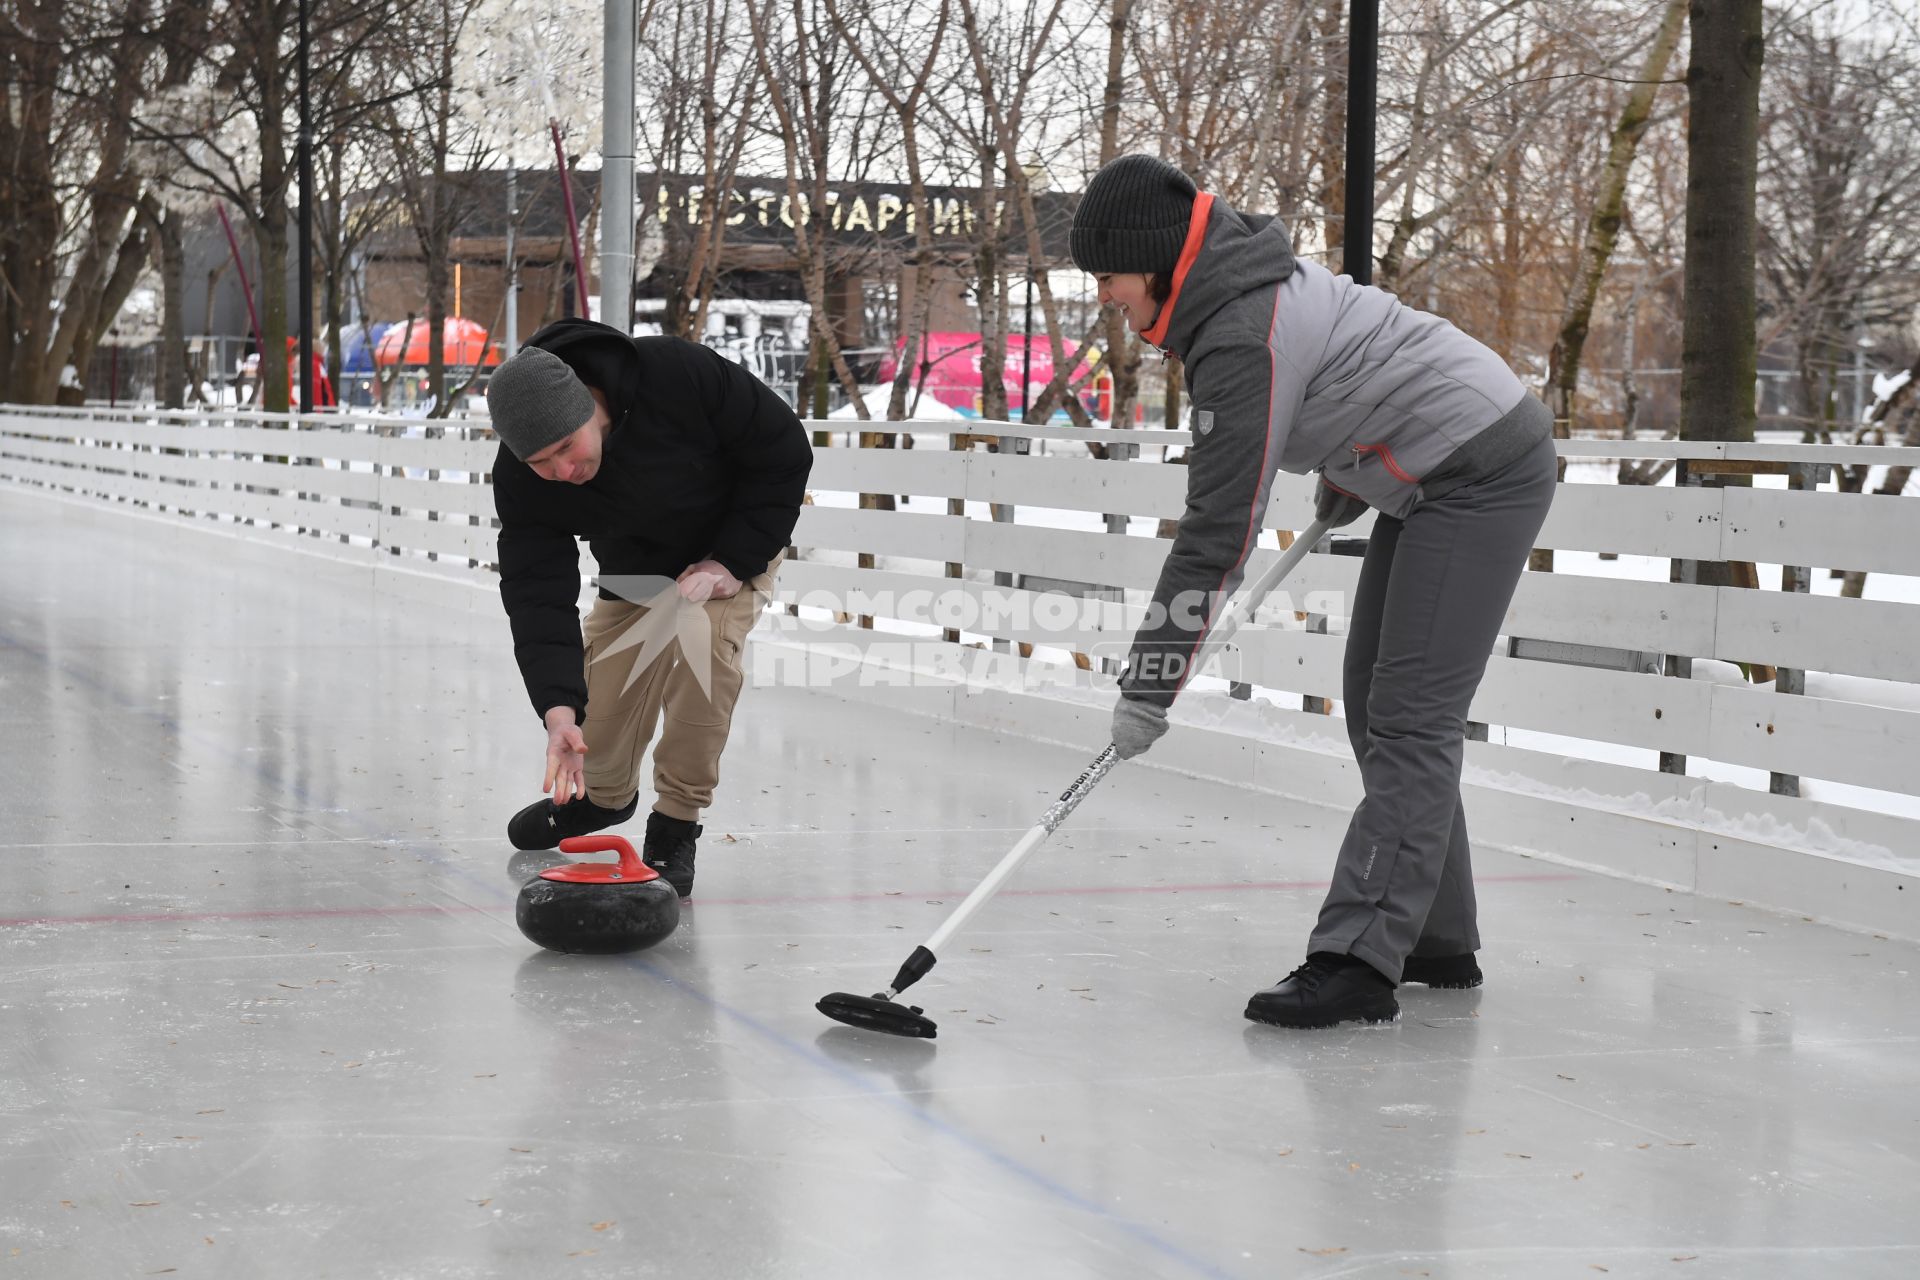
(1385, 455)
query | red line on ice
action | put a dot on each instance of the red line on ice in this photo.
(1081, 891)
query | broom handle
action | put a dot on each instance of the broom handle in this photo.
(1229, 622)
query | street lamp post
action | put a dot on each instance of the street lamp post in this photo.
(616, 171)
(1363, 77)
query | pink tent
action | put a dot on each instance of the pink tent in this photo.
(954, 378)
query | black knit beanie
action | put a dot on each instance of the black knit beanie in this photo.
(1133, 217)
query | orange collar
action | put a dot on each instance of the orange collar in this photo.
(1196, 236)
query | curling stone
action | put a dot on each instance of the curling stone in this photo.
(598, 908)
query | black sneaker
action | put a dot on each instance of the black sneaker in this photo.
(669, 850)
(1455, 973)
(544, 824)
(1326, 990)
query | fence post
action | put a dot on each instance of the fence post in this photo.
(1001, 513)
(1801, 478)
(1680, 666)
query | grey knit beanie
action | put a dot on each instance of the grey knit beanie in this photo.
(1134, 217)
(536, 400)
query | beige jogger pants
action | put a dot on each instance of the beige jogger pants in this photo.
(622, 710)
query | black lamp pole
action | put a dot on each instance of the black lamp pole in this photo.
(1363, 78)
(306, 225)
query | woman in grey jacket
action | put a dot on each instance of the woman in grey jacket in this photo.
(1293, 368)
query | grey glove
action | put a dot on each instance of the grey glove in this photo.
(1335, 507)
(1137, 725)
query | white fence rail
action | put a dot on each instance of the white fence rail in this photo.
(1669, 773)
(375, 490)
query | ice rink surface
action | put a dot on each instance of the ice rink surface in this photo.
(264, 1011)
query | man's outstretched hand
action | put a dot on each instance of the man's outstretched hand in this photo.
(566, 757)
(708, 580)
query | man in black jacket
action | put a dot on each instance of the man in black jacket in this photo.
(686, 474)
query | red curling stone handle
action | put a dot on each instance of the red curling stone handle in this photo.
(629, 870)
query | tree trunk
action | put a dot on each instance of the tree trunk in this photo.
(1512, 260)
(918, 319)
(1123, 350)
(992, 293)
(203, 371)
(1723, 83)
(274, 384)
(335, 259)
(32, 46)
(439, 273)
(1333, 131)
(1719, 358)
(173, 325)
(271, 223)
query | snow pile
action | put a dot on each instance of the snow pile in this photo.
(1690, 810)
(923, 408)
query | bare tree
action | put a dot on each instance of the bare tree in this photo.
(917, 73)
(1603, 223)
(356, 198)
(1445, 156)
(1206, 92)
(436, 145)
(804, 68)
(355, 192)
(704, 105)
(1839, 235)
(1039, 53)
(229, 124)
(72, 243)
(1602, 233)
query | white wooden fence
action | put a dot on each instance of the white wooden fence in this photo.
(381, 492)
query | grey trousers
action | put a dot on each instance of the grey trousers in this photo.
(1433, 593)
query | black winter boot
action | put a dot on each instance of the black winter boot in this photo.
(1326, 990)
(1455, 973)
(544, 824)
(669, 849)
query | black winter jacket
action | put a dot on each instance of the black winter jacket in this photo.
(703, 461)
